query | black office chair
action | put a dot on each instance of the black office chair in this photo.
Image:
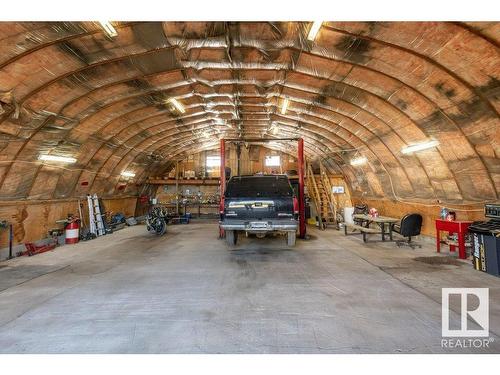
(409, 226)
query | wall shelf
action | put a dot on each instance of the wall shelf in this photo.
(206, 182)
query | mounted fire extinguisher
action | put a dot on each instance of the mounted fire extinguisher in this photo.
(72, 230)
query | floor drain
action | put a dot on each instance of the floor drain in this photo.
(439, 260)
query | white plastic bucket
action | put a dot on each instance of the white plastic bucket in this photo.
(348, 211)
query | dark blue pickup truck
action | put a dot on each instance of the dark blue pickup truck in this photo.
(259, 204)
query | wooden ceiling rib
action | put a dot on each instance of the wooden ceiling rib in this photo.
(360, 88)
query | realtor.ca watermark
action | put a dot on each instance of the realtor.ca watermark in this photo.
(474, 307)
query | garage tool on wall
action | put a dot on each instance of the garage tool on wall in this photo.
(80, 214)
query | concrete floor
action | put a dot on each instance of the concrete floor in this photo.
(132, 292)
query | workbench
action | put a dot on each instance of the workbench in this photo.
(197, 206)
(459, 227)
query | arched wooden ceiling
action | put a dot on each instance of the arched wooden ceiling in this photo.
(363, 88)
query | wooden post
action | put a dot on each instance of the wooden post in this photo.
(222, 180)
(177, 188)
(11, 240)
(302, 208)
(222, 167)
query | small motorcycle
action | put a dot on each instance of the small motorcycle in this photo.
(156, 220)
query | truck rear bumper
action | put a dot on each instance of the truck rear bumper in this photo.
(260, 226)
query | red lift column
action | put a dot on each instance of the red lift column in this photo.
(222, 180)
(302, 208)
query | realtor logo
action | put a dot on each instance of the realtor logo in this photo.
(478, 313)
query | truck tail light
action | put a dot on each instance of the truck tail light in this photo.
(295, 206)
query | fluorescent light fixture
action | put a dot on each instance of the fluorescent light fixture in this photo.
(419, 146)
(128, 174)
(108, 28)
(358, 161)
(177, 105)
(61, 159)
(313, 31)
(284, 106)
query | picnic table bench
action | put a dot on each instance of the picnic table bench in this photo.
(363, 230)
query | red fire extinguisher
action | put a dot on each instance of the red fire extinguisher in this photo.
(72, 230)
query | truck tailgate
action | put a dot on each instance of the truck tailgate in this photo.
(259, 209)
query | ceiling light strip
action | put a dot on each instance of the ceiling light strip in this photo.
(284, 106)
(358, 161)
(313, 31)
(56, 158)
(108, 28)
(177, 105)
(419, 146)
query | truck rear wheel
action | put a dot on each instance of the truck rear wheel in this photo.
(290, 239)
(231, 237)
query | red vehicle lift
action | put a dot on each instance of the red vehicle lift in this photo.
(300, 167)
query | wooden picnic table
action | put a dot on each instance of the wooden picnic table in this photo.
(382, 221)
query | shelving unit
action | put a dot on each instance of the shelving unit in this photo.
(198, 207)
(206, 182)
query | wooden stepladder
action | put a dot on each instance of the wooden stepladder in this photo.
(327, 195)
(314, 194)
(320, 191)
